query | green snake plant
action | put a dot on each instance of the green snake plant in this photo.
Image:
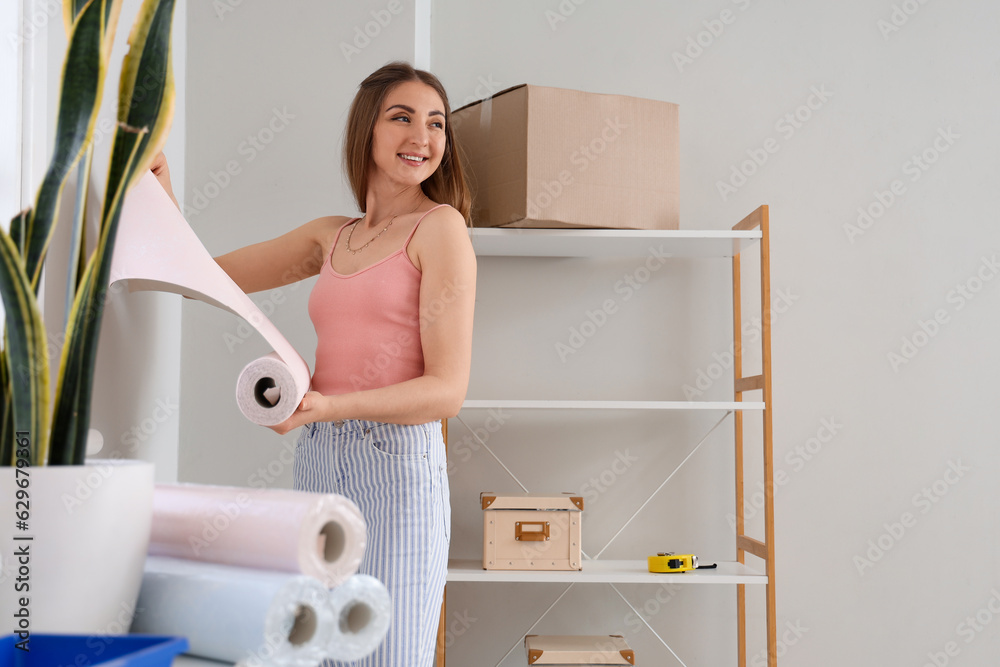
(39, 426)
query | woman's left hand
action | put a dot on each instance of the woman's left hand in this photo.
(309, 410)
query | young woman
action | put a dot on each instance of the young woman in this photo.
(393, 310)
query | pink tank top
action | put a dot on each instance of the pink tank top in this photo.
(367, 323)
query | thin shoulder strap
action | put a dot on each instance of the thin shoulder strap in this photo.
(407, 242)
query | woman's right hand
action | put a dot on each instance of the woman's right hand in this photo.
(161, 170)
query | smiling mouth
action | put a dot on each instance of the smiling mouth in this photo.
(416, 159)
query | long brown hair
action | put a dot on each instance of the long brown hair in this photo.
(446, 185)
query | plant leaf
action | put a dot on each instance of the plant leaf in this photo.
(27, 354)
(71, 10)
(6, 423)
(78, 241)
(145, 101)
(145, 113)
(17, 225)
(66, 416)
(79, 101)
(112, 11)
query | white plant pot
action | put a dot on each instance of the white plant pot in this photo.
(90, 528)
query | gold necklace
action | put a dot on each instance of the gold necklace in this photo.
(351, 232)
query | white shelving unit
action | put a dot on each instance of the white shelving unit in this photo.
(749, 232)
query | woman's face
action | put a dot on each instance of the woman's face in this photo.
(409, 137)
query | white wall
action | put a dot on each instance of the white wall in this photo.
(10, 154)
(853, 299)
(850, 301)
(36, 113)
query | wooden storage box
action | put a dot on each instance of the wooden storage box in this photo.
(578, 650)
(531, 531)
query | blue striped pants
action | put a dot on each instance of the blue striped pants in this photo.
(397, 475)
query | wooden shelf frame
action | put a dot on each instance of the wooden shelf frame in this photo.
(743, 384)
(752, 229)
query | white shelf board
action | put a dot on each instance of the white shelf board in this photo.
(607, 572)
(613, 405)
(572, 242)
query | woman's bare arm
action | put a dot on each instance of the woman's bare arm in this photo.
(286, 259)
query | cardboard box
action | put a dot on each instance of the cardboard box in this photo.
(550, 157)
(579, 651)
(531, 531)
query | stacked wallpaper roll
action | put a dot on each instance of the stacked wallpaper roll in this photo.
(320, 535)
(236, 614)
(253, 577)
(260, 577)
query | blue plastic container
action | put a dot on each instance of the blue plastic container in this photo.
(92, 651)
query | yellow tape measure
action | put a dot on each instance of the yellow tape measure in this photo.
(671, 562)
(668, 561)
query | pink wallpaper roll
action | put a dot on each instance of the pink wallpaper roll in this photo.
(320, 535)
(157, 250)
